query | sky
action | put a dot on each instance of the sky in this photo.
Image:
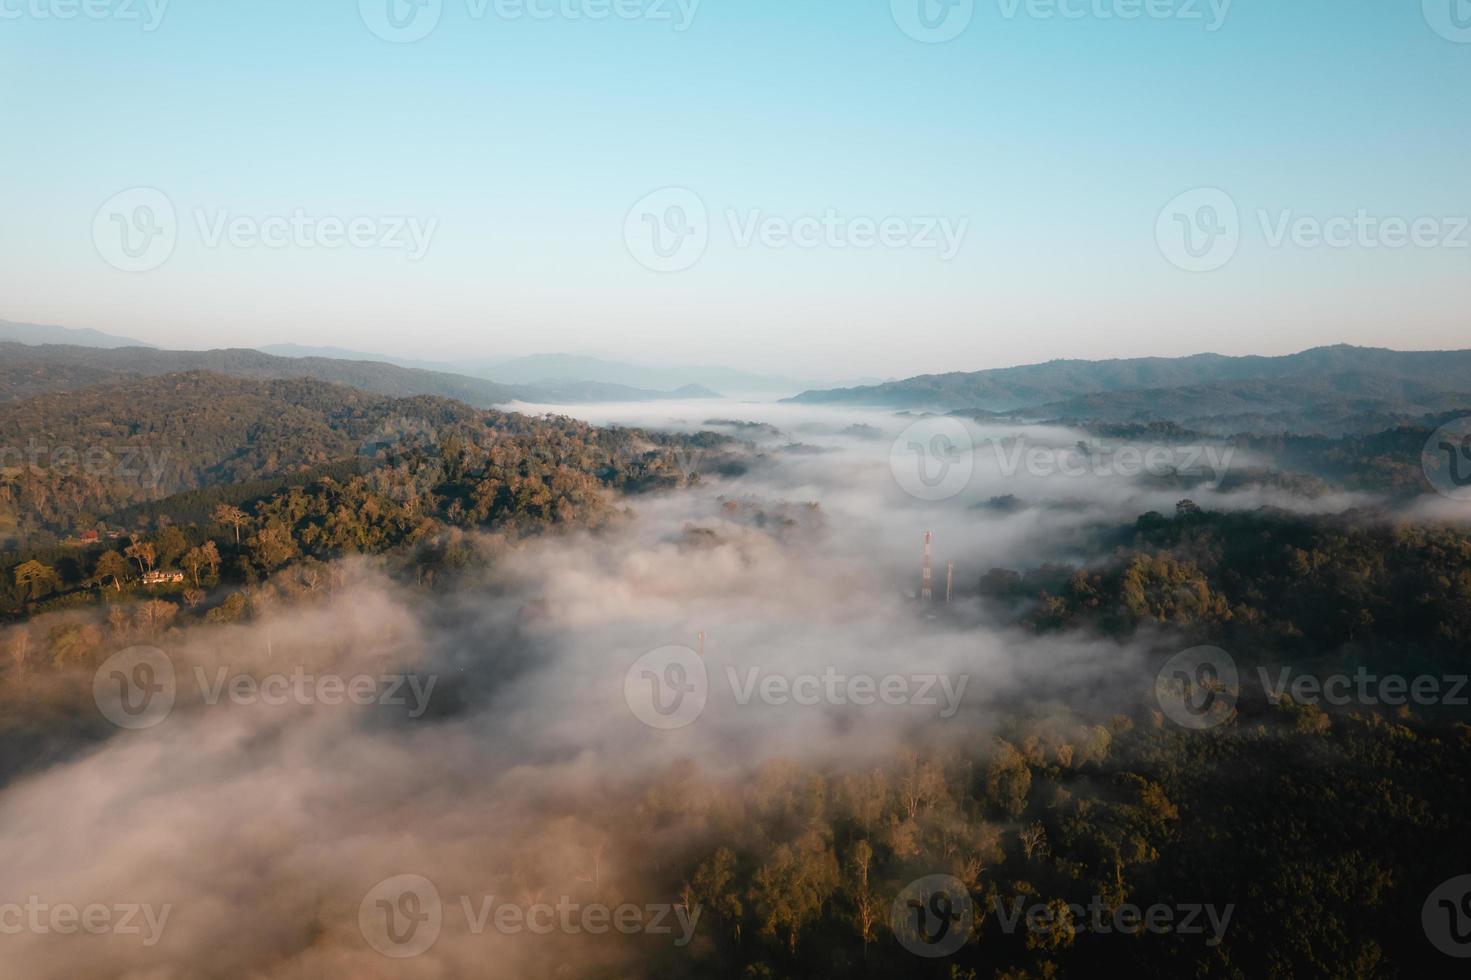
(827, 188)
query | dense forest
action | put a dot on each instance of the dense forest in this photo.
(1293, 838)
(266, 474)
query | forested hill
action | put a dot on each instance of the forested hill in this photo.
(1353, 403)
(26, 371)
(72, 459)
(1342, 370)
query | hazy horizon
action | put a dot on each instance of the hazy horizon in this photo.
(1013, 183)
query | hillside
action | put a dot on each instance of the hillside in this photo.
(1331, 405)
(28, 371)
(68, 459)
(1367, 373)
(42, 333)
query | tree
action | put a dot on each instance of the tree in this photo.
(170, 544)
(867, 906)
(72, 642)
(715, 886)
(272, 546)
(790, 889)
(211, 557)
(155, 615)
(193, 597)
(233, 516)
(114, 566)
(18, 645)
(37, 579)
(143, 553)
(1033, 839)
(194, 559)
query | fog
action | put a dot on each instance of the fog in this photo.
(523, 765)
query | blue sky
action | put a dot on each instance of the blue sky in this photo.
(517, 145)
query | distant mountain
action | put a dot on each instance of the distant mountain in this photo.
(1329, 405)
(343, 354)
(1059, 385)
(573, 392)
(549, 389)
(37, 333)
(542, 368)
(26, 371)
